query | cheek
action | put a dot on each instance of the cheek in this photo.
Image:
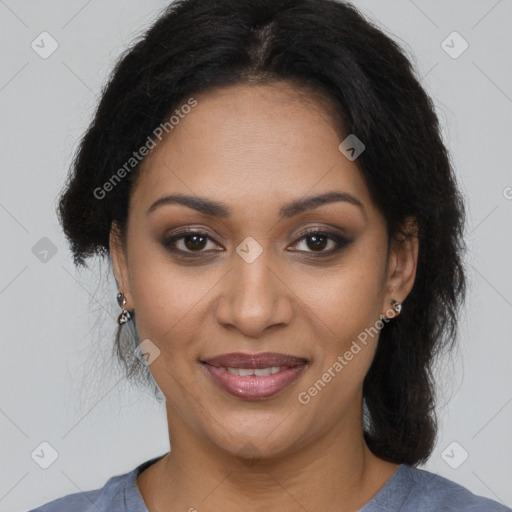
(166, 296)
(349, 315)
(350, 299)
(347, 304)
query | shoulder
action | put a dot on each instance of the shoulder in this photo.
(430, 491)
(115, 496)
(88, 501)
(119, 494)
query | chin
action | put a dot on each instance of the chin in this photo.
(253, 443)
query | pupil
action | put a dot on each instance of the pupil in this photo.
(319, 241)
(191, 241)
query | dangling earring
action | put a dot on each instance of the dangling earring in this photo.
(125, 314)
(397, 306)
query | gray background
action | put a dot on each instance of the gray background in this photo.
(59, 383)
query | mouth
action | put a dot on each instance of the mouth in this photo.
(254, 376)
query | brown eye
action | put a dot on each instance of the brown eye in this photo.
(188, 242)
(316, 242)
(195, 242)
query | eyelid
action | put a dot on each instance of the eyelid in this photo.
(329, 230)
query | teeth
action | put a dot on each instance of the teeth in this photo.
(259, 372)
(262, 372)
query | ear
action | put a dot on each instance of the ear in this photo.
(402, 265)
(119, 263)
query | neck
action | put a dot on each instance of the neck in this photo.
(335, 472)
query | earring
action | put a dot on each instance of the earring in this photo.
(397, 306)
(125, 314)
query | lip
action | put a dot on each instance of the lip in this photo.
(254, 387)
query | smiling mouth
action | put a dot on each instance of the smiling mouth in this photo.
(258, 372)
(254, 376)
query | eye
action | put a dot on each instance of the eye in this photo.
(188, 242)
(317, 240)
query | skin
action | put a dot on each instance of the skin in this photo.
(255, 148)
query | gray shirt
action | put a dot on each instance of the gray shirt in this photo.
(408, 490)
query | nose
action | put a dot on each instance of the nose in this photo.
(254, 297)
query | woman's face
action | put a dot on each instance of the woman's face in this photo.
(246, 282)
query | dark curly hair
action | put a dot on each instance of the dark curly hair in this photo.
(328, 49)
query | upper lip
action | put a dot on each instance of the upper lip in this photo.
(254, 361)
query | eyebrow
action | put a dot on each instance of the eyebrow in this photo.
(213, 208)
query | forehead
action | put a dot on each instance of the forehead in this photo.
(251, 145)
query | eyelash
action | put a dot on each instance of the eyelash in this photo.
(340, 240)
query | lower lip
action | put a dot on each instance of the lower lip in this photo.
(254, 387)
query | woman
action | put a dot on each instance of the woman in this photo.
(268, 180)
